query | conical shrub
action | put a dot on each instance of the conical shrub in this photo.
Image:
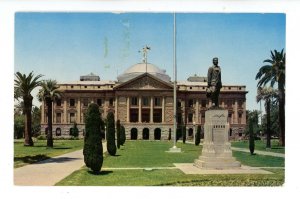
(110, 137)
(93, 149)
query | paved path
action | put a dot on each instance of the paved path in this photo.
(255, 151)
(259, 152)
(50, 171)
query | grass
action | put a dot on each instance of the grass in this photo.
(151, 154)
(28, 155)
(260, 145)
(147, 154)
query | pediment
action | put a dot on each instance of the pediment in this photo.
(145, 82)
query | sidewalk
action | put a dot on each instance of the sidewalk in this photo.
(50, 171)
(255, 151)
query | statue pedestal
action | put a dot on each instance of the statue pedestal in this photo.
(216, 151)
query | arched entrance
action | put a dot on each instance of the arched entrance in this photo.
(58, 132)
(157, 134)
(145, 134)
(134, 134)
(191, 132)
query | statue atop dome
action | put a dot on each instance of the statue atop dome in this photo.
(145, 53)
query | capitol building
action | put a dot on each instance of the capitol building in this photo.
(142, 99)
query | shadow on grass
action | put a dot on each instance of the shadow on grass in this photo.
(100, 173)
(31, 159)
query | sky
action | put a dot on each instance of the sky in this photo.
(63, 46)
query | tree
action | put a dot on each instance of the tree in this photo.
(183, 134)
(36, 121)
(266, 94)
(251, 136)
(93, 149)
(24, 85)
(49, 93)
(198, 136)
(272, 73)
(110, 137)
(253, 116)
(118, 134)
(122, 135)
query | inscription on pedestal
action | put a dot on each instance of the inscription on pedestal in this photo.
(216, 151)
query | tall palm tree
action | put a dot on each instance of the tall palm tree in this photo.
(267, 94)
(24, 85)
(49, 93)
(272, 73)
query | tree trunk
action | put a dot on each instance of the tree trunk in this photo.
(281, 113)
(268, 110)
(27, 108)
(49, 116)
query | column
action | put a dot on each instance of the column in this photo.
(65, 111)
(128, 100)
(116, 109)
(163, 110)
(105, 108)
(78, 111)
(235, 112)
(151, 109)
(140, 109)
(43, 112)
(197, 111)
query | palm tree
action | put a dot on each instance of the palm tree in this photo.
(23, 87)
(49, 93)
(267, 94)
(272, 73)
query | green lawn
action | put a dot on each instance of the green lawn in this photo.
(147, 154)
(28, 155)
(260, 145)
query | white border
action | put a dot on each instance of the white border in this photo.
(7, 11)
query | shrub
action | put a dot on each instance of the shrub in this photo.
(198, 136)
(118, 133)
(75, 131)
(122, 135)
(183, 134)
(93, 149)
(251, 138)
(110, 134)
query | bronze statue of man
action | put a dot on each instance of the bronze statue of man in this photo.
(214, 83)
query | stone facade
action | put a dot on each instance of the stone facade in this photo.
(144, 104)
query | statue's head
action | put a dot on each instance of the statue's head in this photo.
(215, 61)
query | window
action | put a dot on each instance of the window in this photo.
(240, 118)
(58, 117)
(203, 103)
(145, 101)
(191, 103)
(178, 103)
(72, 102)
(240, 103)
(72, 117)
(58, 132)
(157, 101)
(99, 102)
(111, 101)
(134, 101)
(229, 117)
(85, 102)
(85, 86)
(58, 102)
(190, 117)
(72, 86)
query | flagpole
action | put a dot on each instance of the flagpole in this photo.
(174, 148)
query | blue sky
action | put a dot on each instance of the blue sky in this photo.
(63, 46)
